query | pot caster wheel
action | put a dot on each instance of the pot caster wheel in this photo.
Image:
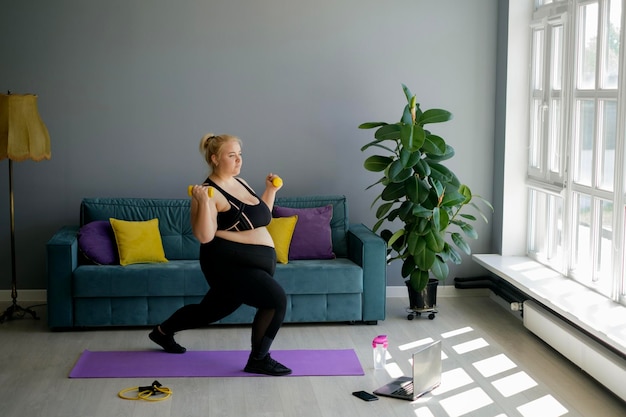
(431, 316)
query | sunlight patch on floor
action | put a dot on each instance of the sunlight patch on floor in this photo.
(514, 384)
(546, 406)
(494, 365)
(466, 402)
(470, 346)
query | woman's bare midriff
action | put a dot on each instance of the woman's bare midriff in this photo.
(258, 236)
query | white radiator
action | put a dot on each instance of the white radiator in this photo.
(596, 360)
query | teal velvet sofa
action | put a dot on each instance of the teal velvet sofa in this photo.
(349, 288)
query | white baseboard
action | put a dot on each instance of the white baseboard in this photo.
(39, 296)
(442, 291)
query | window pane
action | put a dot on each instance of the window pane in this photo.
(534, 157)
(546, 228)
(586, 114)
(538, 51)
(554, 149)
(611, 45)
(556, 69)
(607, 162)
(581, 261)
(537, 220)
(603, 275)
(587, 46)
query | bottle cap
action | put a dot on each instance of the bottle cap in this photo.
(380, 340)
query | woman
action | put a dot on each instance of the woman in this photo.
(237, 256)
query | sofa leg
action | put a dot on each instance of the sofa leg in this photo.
(372, 322)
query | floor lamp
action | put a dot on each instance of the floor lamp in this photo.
(23, 135)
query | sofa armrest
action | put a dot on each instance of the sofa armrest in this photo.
(62, 260)
(368, 250)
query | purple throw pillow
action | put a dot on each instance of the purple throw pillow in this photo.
(312, 237)
(97, 242)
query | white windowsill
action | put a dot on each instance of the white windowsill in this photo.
(594, 313)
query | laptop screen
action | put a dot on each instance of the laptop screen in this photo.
(427, 367)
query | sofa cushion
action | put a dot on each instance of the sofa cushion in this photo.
(97, 242)
(171, 279)
(320, 276)
(312, 237)
(138, 241)
(281, 229)
(339, 222)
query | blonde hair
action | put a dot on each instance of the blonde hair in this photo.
(211, 144)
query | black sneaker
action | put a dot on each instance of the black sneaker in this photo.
(266, 366)
(167, 342)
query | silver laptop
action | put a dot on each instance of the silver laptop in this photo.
(426, 375)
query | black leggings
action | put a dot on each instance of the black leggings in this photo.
(237, 274)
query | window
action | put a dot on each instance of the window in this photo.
(576, 182)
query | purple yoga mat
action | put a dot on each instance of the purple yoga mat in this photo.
(230, 363)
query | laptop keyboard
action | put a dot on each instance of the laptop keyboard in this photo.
(405, 390)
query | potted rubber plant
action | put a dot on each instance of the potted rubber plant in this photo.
(422, 194)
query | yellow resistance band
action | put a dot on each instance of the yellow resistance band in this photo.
(146, 393)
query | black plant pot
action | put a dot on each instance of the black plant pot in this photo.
(425, 299)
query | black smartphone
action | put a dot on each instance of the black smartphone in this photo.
(365, 396)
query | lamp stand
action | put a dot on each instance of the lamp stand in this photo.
(14, 311)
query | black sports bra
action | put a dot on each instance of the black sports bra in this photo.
(241, 216)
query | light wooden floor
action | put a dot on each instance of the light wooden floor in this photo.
(475, 332)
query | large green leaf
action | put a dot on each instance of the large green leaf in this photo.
(412, 136)
(377, 163)
(452, 197)
(411, 185)
(378, 143)
(440, 172)
(440, 269)
(405, 210)
(421, 211)
(467, 193)
(378, 224)
(395, 237)
(408, 266)
(407, 118)
(371, 125)
(461, 243)
(444, 219)
(397, 173)
(424, 259)
(422, 168)
(393, 191)
(415, 244)
(383, 209)
(449, 153)
(434, 239)
(434, 116)
(407, 93)
(434, 145)
(450, 254)
(409, 159)
(419, 280)
(469, 230)
(388, 132)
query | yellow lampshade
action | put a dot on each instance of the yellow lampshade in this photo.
(23, 135)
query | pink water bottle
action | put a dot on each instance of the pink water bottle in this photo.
(380, 344)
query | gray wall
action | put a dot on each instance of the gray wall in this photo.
(127, 88)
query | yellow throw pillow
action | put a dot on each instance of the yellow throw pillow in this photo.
(281, 229)
(138, 241)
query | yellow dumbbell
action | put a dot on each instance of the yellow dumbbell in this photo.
(209, 191)
(277, 181)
